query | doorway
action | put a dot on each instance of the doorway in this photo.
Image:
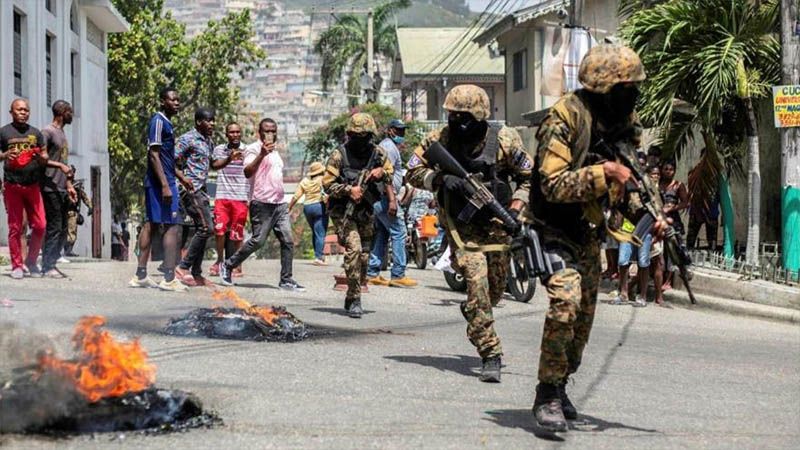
(97, 216)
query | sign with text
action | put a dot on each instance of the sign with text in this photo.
(786, 104)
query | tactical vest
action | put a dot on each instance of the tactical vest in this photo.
(349, 169)
(569, 219)
(484, 164)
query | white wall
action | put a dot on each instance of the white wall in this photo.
(88, 134)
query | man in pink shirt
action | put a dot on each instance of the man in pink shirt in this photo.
(263, 168)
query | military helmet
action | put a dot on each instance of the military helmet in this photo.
(361, 123)
(468, 98)
(608, 64)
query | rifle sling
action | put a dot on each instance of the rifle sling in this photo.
(466, 247)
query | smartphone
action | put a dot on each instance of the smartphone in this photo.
(269, 138)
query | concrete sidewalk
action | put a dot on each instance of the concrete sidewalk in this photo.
(727, 292)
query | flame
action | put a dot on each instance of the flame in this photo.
(104, 367)
(265, 313)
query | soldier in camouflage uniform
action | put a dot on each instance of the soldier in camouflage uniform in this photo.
(339, 179)
(72, 218)
(481, 247)
(573, 185)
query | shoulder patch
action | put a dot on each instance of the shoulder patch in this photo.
(414, 161)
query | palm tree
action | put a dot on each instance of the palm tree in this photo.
(714, 57)
(343, 45)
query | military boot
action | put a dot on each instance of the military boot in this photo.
(354, 309)
(547, 408)
(570, 412)
(490, 370)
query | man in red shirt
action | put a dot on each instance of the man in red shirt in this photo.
(24, 155)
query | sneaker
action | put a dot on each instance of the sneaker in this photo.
(72, 255)
(181, 273)
(378, 281)
(200, 280)
(405, 282)
(618, 300)
(187, 280)
(291, 285)
(63, 260)
(353, 308)
(18, 273)
(33, 271)
(225, 275)
(319, 262)
(145, 282)
(172, 286)
(55, 274)
(214, 270)
(639, 302)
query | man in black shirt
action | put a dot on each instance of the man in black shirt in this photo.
(57, 189)
(24, 155)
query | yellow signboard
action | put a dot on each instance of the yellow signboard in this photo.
(786, 104)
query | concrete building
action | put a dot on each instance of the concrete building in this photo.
(431, 61)
(57, 49)
(522, 37)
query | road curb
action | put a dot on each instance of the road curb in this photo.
(735, 307)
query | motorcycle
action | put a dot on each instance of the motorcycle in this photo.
(519, 284)
(420, 233)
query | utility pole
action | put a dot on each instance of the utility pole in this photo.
(790, 138)
(370, 43)
(576, 13)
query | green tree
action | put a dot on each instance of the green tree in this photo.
(344, 44)
(326, 138)
(156, 53)
(712, 58)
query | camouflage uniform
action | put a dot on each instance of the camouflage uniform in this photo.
(72, 217)
(573, 204)
(485, 272)
(356, 235)
(573, 183)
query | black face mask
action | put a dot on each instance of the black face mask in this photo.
(464, 129)
(621, 100)
(359, 145)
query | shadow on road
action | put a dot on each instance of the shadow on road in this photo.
(460, 364)
(523, 418)
(447, 302)
(338, 311)
(256, 286)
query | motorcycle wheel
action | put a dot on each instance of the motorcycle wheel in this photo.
(455, 281)
(519, 284)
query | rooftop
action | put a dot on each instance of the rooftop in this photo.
(445, 52)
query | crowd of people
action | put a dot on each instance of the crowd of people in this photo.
(574, 192)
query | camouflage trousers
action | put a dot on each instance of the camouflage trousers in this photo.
(485, 275)
(72, 227)
(573, 298)
(356, 238)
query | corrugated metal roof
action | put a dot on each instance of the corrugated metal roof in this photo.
(530, 10)
(437, 52)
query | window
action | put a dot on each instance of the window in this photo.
(48, 60)
(50, 5)
(94, 35)
(75, 83)
(73, 18)
(520, 70)
(17, 54)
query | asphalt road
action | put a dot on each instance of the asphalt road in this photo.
(404, 376)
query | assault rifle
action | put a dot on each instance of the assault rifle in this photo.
(672, 247)
(538, 263)
(361, 181)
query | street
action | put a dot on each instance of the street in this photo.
(404, 376)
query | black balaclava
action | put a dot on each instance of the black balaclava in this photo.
(359, 144)
(617, 105)
(465, 130)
